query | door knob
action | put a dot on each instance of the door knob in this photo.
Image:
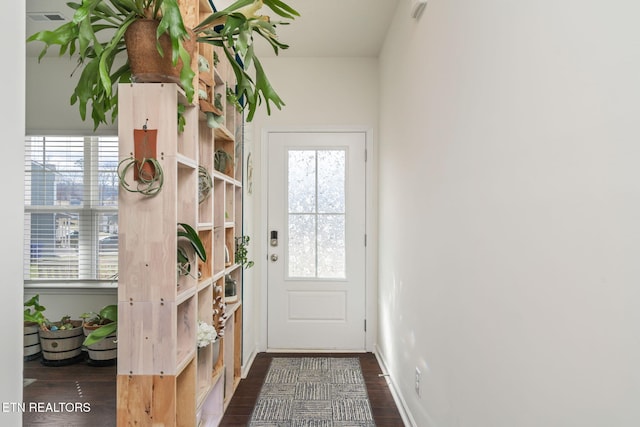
(274, 257)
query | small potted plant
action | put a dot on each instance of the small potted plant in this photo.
(207, 336)
(100, 331)
(188, 241)
(222, 161)
(61, 341)
(33, 318)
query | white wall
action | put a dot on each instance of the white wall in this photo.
(12, 120)
(48, 95)
(72, 301)
(49, 112)
(319, 93)
(510, 201)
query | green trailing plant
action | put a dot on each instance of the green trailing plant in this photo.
(95, 38)
(33, 311)
(106, 320)
(241, 253)
(188, 234)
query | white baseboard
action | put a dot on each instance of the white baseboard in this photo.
(407, 418)
(247, 366)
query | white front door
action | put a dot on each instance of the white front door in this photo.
(316, 256)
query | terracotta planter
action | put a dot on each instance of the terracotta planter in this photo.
(147, 66)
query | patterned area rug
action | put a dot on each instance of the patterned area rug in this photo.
(313, 392)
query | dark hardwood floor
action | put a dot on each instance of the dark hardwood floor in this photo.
(80, 382)
(64, 386)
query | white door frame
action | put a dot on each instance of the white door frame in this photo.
(371, 215)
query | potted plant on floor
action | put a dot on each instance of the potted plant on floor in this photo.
(101, 30)
(33, 318)
(100, 330)
(61, 341)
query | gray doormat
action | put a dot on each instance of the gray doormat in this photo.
(313, 392)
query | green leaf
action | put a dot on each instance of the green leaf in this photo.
(106, 59)
(172, 24)
(101, 333)
(192, 235)
(264, 88)
(186, 74)
(281, 8)
(110, 312)
(237, 5)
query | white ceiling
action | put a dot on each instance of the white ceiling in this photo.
(324, 28)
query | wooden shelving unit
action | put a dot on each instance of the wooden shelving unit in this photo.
(163, 378)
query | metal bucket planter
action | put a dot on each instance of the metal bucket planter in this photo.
(62, 347)
(32, 349)
(104, 352)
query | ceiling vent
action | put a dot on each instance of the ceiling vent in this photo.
(46, 16)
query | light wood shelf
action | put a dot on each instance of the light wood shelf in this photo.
(163, 377)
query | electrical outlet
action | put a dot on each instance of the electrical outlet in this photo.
(418, 378)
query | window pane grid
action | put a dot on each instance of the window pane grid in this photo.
(71, 189)
(316, 214)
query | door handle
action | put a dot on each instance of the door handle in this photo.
(274, 257)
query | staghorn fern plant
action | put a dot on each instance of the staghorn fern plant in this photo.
(95, 37)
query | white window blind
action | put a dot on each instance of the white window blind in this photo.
(71, 208)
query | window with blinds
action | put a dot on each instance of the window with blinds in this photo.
(71, 208)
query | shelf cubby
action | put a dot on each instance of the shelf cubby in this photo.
(205, 271)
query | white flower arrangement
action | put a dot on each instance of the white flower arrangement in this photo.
(206, 334)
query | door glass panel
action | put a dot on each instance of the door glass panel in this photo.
(331, 249)
(302, 248)
(316, 214)
(331, 170)
(302, 181)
